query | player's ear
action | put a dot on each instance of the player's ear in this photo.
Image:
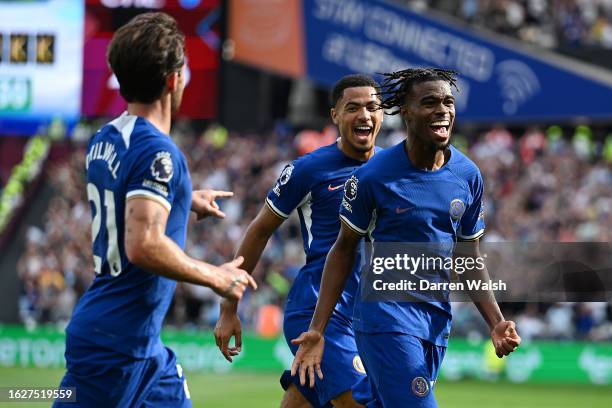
(334, 115)
(172, 81)
(405, 112)
(405, 115)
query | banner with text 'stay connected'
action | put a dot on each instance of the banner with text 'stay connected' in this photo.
(501, 80)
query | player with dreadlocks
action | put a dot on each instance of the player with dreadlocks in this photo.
(421, 190)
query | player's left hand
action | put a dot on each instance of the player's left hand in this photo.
(505, 338)
(228, 326)
(203, 203)
(308, 357)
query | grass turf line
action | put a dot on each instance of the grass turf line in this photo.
(262, 390)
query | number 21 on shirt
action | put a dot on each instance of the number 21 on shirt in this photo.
(112, 256)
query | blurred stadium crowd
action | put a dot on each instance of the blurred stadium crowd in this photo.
(550, 184)
(548, 23)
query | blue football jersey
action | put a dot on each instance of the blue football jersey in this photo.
(124, 308)
(313, 184)
(393, 201)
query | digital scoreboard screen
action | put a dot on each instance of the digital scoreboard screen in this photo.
(41, 63)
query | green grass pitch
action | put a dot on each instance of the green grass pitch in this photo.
(262, 390)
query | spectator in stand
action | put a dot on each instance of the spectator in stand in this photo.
(547, 23)
(531, 323)
(559, 321)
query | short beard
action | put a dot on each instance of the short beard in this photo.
(429, 145)
(440, 146)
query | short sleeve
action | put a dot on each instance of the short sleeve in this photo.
(153, 175)
(472, 222)
(358, 205)
(290, 190)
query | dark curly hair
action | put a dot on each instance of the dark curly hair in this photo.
(396, 86)
(143, 53)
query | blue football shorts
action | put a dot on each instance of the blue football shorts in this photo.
(106, 378)
(402, 369)
(341, 365)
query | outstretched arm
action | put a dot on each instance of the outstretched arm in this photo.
(503, 332)
(338, 266)
(203, 203)
(255, 239)
(147, 246)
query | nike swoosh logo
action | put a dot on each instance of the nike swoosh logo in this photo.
(330, 188)
(399, 210)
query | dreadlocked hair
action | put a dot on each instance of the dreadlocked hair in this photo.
(396, 85)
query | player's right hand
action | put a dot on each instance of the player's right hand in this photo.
(233, 281)
(505, 338)
(227, 326)
(308, 357)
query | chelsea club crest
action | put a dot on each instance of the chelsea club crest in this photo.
(420, 386)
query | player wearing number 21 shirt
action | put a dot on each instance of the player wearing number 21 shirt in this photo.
(139, 190)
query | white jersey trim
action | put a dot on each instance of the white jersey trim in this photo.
(149, 194)
(372, 225)
(125, 124)
(471, 237)
(353, 226)
(276, 210)
(306, 208)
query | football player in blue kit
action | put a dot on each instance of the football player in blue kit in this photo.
(140, 193)
(421, 190)
(313, 185)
